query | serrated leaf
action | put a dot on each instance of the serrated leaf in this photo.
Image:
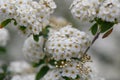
(94, 29)
(107, 33)
(42, 72)
(5, 23)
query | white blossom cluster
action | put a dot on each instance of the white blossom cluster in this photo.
(4, 37)
(66, 43)
(24, 77)
(33, 50)
(28, 13)
(20, 67)
(21, 70)
(53, 75)
(86, 10)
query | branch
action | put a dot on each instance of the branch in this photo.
(93, 41)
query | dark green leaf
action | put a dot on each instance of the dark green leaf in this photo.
(52, 62)
(15, 22)
(107, 33)
(22, 28)
(38, 64)
(42, 72)
(45, 31)
(2, 49)
(2, 76)
(94, 29)
(105, 26)
(5, 22)
(36, 38)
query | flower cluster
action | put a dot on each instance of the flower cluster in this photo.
(107, 10)
(4, 37)
(33, 50)
(30, 16)
(66, 43)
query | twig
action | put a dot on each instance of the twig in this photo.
(93, 41)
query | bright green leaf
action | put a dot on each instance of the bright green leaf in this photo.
(5, 22)
(94, 29)
(42, 72)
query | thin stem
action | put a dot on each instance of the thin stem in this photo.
(93, 41)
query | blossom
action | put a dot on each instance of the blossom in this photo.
(24, 77)
(4, 37)
(85, 10)
(68, 42)
(109, 10)
(28, 13)
(20, 67)
(33, 50)
(53, 75)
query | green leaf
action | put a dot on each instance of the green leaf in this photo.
(94, 29)
(107, 33)
(42, 72)
(2, 49)
(36, 38)
(5, 22)
(105, 26)
(38, 64)
(22, 28)
(15, 22)
(45, 31)
(52, 62)
(2, 76)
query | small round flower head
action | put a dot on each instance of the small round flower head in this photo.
(109, 10)
(4, 37)
(33, 50)
(24, 77)
(85, 10)
(53, 75)
(20, 67)
(73, 69)
(66, 43)
(49, 5)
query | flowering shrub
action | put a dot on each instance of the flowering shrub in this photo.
(57, 50)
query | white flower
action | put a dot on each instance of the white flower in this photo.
(20, 67)
(71, 70)
(48, 4)
(31, 14)
(109, 10)
(53, 75)
(66, 43)
(85, 10)
(4, 37)
(33, 50)
(24, 77)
